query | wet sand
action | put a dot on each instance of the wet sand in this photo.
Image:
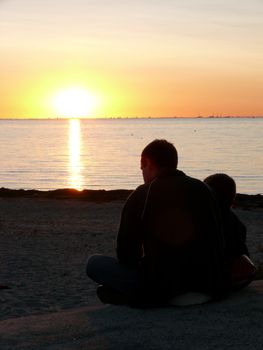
(45, 242)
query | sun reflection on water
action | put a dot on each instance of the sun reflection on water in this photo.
(75, 166)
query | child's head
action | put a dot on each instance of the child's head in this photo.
(224, 187)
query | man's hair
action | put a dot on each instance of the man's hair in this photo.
(224, 187)
(162, 153)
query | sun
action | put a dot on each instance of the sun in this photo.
(74, 102)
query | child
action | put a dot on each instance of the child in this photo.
(241, 267)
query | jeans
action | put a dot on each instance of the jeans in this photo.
(109, 272)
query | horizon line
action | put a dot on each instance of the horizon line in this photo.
(149, 117)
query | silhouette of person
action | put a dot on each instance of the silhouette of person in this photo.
(169, 241)
(235, 232)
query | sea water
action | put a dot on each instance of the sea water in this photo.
(105, 153)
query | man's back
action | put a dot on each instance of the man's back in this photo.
(182, 239)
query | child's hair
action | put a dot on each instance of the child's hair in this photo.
(224, 187)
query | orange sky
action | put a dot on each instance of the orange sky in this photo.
(154, 58)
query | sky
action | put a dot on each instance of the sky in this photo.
(134, 58)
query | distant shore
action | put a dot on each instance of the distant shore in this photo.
(100, 196)
(147, 117)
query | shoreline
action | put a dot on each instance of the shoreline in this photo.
(102, 196)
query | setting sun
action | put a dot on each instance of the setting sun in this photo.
(74, 102)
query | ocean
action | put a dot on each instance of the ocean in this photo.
(105, 153)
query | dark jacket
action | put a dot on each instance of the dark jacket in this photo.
(235, 233)
(171, 231)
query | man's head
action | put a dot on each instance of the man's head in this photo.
(157, 156)
(224, 187)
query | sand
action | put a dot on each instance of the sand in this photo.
(234, 323)
(45, 243)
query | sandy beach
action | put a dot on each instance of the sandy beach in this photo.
(45, 243)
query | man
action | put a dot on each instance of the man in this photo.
(169, 241)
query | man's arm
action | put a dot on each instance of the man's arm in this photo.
(129, 239)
